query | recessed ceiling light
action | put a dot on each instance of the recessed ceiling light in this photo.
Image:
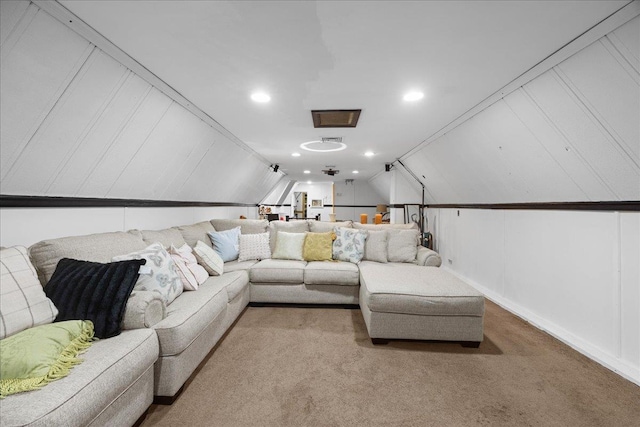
(295, 154)
(260, 97)
(369, 153)
(355, 172)
(308, 182)
(306, 171)
(413, 96)
(323, 146)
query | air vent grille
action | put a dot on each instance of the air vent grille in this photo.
(332, 139)
(335, 118)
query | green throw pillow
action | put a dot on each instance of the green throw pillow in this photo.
(318, 247)
(36, 356)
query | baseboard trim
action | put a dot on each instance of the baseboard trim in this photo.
(610, 362)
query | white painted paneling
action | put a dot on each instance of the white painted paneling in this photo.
(572, 273)
(630, 287)
(404, 188)
(627, 39)
(381, 183)
(583, 134)
(157, 218)
(610, 92)
(99, 140)
(434, 180)
(35, 70)
(126, 145)
(28, 226)
(11, 12)
(68, 123)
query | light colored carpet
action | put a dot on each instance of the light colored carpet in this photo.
(317, 367)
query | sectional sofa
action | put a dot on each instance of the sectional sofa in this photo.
(161, 346)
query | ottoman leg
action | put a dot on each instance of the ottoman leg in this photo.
(470, 344)
(379, 341)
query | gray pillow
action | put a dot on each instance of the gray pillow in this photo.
(375, 247)
(403, 245)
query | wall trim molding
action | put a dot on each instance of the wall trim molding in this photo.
(11, 201)
(626, 206)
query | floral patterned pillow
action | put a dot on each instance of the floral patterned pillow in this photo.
(158, 274)
(349, 244)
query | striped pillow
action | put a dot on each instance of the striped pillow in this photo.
(23, 303)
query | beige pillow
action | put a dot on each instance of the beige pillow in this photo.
(209, 259)
(254, 246)
(402, 245)
(375, 247)
(289, 246)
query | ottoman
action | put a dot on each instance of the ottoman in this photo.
(406, 301)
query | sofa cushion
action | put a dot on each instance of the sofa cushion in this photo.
(196, 232)
(289, 246)
(93, 247)
(278, 271)
(33, 358)
(375, 247)
(109, 368)
(208, 258)
(168, 237)
(23, 303)
(190, 314)
(413, 289)
(237, 284)
(402, 245)
(247, 226)
(331, 273)
(254, 246)
(287, 226)
(323, 227)
(318, 246)
(349, 244)
(186, 255)
(226, 243)
(158, 274)
(85, 290)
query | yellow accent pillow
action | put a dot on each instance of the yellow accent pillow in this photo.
(318, 247)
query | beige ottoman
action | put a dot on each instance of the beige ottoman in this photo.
(406, 301)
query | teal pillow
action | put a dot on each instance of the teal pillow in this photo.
(226, 243)
(36, 356)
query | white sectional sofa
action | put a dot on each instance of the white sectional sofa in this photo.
(116, 383)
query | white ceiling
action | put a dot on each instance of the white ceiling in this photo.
(338, 55)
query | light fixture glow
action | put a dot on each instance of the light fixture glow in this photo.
(369, 154)
(260, 97)
(306, 172)
(308, 182)
(295, 154)
(413, 96)
(323, 146)
(355, 172)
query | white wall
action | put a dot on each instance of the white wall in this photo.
(574, 274)
(25, 227)
(355, 198)
(570, 134)
(76, 122)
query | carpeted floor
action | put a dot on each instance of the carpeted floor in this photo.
(317, 367)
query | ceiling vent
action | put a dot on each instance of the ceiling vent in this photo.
(335, 118)
(335, 139)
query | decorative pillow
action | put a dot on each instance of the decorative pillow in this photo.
(209, 259)
(403, 245)
(349, 244)
(289, 246)
(186, 255)
(85, 290)
(226, 243)
(23, 303)
(318, 246)
(33, 358)
(254, 246)
(375, 247)
(189, 281)
(159, 274)
(297, 226)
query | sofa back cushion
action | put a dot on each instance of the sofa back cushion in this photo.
(409, 226)
(247, 226)
(168, 237)
(324, 227)
(100, 247)
(196, 232)
(375, 247)
(403, 245)
(23, 303)
(286, 226)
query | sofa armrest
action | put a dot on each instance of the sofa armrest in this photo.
(428, 258)
(144, 309)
